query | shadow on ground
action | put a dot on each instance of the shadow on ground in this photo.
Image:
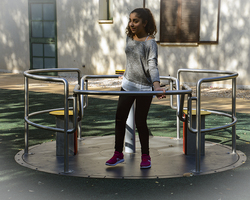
(19, 183)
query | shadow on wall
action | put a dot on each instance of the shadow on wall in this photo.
(14, 34)
(100, 47)
(82, 40)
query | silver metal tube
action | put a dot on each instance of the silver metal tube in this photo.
(178, 102)
(130, 131)
(198, 127)
(203, 71)
(230, 75)
(42, 127)
(234, 121)
(129, 93)
(86, 96)
(35, 71)
(82, 100)
(26, 118)
(46, 111)
(171, 96)
(75, 114)
(31, 74)
(78, 112)
(190, 112)
(216, 128)
(66, 123)
(177, 127)
(85, 92)
(180, 115)
(26, 113)
(234, 115)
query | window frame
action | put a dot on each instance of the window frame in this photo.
(42, 40)
(218, 28)
(210, 42)
(108, 19)
(178, 37)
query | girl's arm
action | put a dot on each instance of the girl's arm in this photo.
(158, 88)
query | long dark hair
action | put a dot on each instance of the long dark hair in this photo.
(146, 15)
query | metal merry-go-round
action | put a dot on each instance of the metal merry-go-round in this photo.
(92, 151)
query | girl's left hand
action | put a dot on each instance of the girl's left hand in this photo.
(160, 96)
(158, 88)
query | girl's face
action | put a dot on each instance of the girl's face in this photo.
(136, 25)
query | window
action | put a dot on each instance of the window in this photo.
(180, 21)
(43, 40)
(105, 11)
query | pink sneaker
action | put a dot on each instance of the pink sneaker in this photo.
(145, 161)
(117, 158)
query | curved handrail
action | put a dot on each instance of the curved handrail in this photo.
(32, 74)
(84, 95)
(203, 71)
(229, 76)
(235, 120)
(26, 118)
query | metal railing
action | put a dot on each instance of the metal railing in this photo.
(80, 102)
(180, 93)
(32, 74)
(228, 76)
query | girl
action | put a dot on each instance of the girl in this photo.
(141, 75)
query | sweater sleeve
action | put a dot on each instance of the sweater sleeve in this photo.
(153, 62)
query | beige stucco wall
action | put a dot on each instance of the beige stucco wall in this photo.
(82, 40)
(100, 47)
(14, 36)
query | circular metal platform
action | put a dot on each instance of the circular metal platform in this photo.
(168, 160)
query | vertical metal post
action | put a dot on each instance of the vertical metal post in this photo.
(177, 118)
(171, 96)
(83, 101)
(177, 85)
(234, 115)
(79, 119)
(26, 113)
(198, 128)
(76, 122)
(130, 131)
(78, 104)
(178, 127)
(79, 130)
(66, 121)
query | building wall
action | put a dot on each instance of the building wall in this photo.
(232, 53)
(14, 36)
(82, 40)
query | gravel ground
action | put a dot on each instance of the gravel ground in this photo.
(223, 92)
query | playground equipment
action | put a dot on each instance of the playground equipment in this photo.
(80, 102)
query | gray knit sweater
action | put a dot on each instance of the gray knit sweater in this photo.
(141, 67)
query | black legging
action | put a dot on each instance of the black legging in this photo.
(141, 111)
